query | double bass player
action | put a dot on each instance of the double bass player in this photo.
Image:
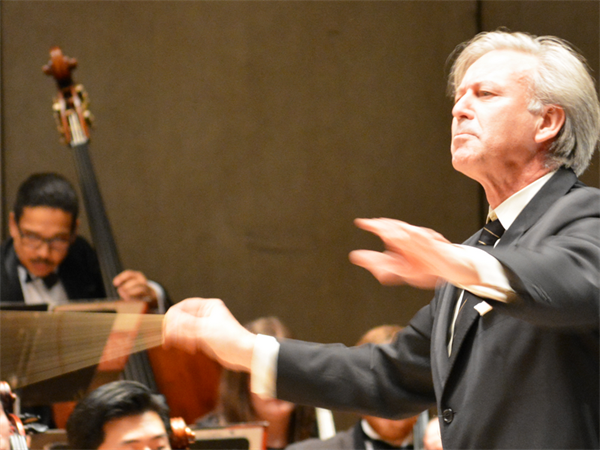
(45, 261)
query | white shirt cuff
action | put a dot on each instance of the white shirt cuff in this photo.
(263, 370)
(160, 296)
(494, 283)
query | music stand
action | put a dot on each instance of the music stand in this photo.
(20, 306)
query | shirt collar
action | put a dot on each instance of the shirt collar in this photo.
(23, 274)
(510, 208)
(369, 431)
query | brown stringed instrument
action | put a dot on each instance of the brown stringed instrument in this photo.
(189, 382)
(18, 435)
(181, 436)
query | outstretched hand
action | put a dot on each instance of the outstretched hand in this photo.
(207, 325)
(392, 269)
(416, 256)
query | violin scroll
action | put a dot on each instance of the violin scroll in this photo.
(7, 397)
(181, 435)
(17, 434)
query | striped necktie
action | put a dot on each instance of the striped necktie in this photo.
(491, 232)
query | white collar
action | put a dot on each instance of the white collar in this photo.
(510, 208)
(22, 271)
(35, 292)
(369, 431)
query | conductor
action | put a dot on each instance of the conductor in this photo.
(508, 349)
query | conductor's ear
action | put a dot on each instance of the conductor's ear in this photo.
(550, 123)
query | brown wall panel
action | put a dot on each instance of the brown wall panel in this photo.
(235, 142)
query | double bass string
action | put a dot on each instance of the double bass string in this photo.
(108, 256)
(39, 346)
(36, 346)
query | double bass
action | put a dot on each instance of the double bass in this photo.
(189, 382)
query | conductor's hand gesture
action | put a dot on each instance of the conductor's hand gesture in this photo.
(207, 325)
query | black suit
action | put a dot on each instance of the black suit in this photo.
(79, 273)
(524, 375)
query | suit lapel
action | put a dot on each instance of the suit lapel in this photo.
(448, 295)
(556, 187)
(468, 316)
(448, 306)
(11, 286)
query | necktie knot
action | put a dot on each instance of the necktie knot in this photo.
(492, 231)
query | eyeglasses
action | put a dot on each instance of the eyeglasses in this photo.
(35, 241)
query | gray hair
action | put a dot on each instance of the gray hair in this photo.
(562, 78)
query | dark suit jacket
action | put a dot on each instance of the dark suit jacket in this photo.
(524, 375)
(79, 273)
(351, 439)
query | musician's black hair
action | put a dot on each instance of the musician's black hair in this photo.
(47, 189)
(85, 427)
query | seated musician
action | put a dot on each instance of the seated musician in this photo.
(370, 432)
(287, 422)
(122, 415)
(45, 261)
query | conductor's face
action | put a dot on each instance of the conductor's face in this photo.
(493, 133)
(42, 238)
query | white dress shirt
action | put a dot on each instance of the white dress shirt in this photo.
(35, 291)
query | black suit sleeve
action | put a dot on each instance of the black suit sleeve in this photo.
(391, 380)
